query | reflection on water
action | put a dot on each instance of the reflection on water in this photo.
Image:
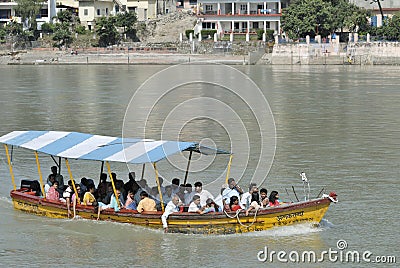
(338, 124)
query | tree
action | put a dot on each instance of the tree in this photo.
(28, 10)
(127, 21)
(105, 29)
(323, 17)
(62, 35)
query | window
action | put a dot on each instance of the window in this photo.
(243, 7)
(208, 25)
(209, 7)
(85, 12)
(106, 10)
(192, 2)
(98, 12)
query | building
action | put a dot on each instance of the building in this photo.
(7, 12)
(240, 16)
(149, 9)
(389, 8)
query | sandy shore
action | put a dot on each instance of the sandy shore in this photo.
(41, 57)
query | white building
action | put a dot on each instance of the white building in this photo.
(389, 8)
(240, 16)
(7, 12)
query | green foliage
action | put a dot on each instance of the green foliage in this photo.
(106, 31)
(14, 28)
(80, 29)
(47, 27)
(3, 35)
(269, 34)
(323, 17)
(65, 16)
(127, 21)
(206, 33)
(62, 35)
(187, 33)
(391, 29)
(28, 10)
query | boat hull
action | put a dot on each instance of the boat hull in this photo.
(212, 223)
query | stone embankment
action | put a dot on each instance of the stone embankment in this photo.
(358, 53)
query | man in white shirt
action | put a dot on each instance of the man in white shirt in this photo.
(172, 206)
(246, 197)
(204, 194)
(232, 190)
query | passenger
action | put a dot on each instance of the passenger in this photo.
(84, 185)
(175, 185)
(246, 197)
(204, 194)
(128, 186)
(114, 204)
(146, 204)
(255, 203)
(110, 191)
(50, 181)
(172, 206)
(232, 190)
(102, 187)
(274, 199)
(264, 198)
(67, 196)
(161, 180)
(167, 196)
(143, 185)
(53, 194)
(189, 193)
(119, 184)
(195, 205)
(181, 192)
(76, 198)
(130, 201)
(211, 206)
(58, 177)
(88, 198)
(233, 205)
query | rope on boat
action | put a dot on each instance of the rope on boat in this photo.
(238, 219)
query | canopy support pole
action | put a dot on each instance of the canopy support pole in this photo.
(72, 180)
(159, 187)
(10, 167)
(229, 168)
(144, 165)
(112, 183)
(59, 165)
(187, 168)
(40, 174)
(102, 168)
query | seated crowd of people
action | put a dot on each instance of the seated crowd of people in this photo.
(137, 195)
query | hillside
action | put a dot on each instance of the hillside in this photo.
(166, 28)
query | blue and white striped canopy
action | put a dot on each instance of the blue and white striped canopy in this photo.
(76, 145)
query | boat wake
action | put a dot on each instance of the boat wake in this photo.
(293, 230)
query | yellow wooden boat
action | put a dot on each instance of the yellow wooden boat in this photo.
(72, 145)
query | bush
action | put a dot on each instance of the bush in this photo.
(187, 33)
(80, 29)
(47, 27)
(206, 33)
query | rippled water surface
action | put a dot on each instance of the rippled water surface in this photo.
(341, 125)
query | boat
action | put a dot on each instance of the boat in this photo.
(106, 149)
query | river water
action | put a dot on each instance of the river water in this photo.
(339, 124)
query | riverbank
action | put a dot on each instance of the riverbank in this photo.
(376, 53)
(102, 56)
